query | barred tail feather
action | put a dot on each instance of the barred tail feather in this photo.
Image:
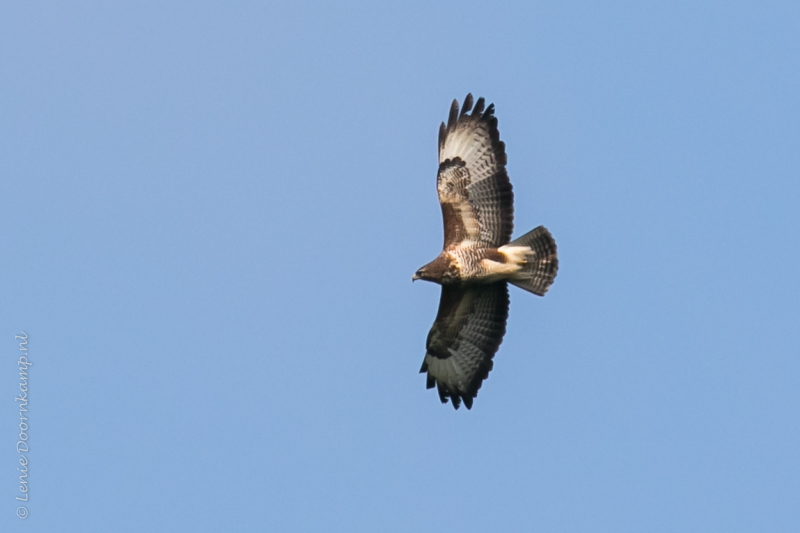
(540, 270)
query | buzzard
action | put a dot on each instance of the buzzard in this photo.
(477, 261)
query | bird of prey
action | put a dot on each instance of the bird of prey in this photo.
(477, 261)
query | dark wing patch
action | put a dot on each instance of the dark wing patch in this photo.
(460, 223)
(466, 334)
(476, 196)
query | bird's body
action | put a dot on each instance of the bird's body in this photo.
(477, 260)
(478, 264)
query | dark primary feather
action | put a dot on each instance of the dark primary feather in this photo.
(474, 190)
(467, 105)
(466, 334)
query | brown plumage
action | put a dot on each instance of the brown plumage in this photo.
(477, 259)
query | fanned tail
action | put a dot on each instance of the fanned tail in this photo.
(540, 270)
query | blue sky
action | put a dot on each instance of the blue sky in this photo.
(211, 213)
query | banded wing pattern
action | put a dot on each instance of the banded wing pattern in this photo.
(468, 330)
(474, 190)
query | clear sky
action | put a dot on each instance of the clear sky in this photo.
(210, 217)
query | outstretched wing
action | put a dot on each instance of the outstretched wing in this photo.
(464, 338)
(474, 191)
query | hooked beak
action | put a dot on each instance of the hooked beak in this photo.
(414, 278)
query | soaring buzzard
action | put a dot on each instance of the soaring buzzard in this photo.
(477, 261)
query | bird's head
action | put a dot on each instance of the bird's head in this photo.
(440, 270)
(422, 273)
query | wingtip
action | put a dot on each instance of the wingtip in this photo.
(479, 106)
(453, 118)
(442, 392)
(467, 105)
(456, 399)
